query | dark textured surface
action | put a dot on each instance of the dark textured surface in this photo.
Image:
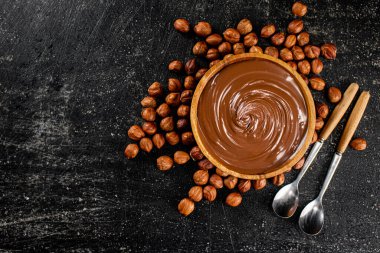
(71, 77)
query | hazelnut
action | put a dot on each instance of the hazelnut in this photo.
(278, 38)
(221, 172)
(303, 39)
(148, 102)
(189, 83)
(209, 193)
(358, 144)
(250, 39)
(299, 9)
(191, 66)
(315, 138)
(213, 63)
(319, 123)
(231, 35)
(272, 51)
(146, 144)
(196, 193)
(234, 199)
(200, 48)
(299, 164)
(290, 41)
(295, 26)
(186, 96)
(239, 48)
(205, 164)
(181, 157)
(292, 64)
(244, 185)
(244, 26)
(155, 89)
(214, 39)
(322, 110)
(268, 31)
(317, 83)
(334, 94)
(230, 182)
(278, 180)
(182, 124)
(304, 67)
(227, 56)
(286, 55)
(131, 151)
(329, 51)
(298, 53)
(196, 153)
(135, 133)
(212, 54)
(186, 206)
(164, 163)
(224, 48)
(175, 66)
(167, 124)
(183, 111)
(306, 80)
(200, 73)
(187, 138)
(158, 140)
(173, 99)
(174, 85)
(200, 177)
(163, 110)
(182, 25)
(172, 138)
(312, 51)
(148, 114)
(149, 127)
(203, 29)
(256, 49)
(316, 66)
(259, 184)
(216, 181)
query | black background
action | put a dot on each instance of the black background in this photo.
(72, 74)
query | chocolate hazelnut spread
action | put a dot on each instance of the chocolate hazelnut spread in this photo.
(252, 116)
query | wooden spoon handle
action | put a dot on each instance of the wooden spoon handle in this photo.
(353, 121)
(339, 110)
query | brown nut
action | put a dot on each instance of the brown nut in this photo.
(304, 67)
(329, 51)
(135, 133)
(164, 163)
(244, 26)
(216, 181)
(319, 123)
(155, 89)
(295, 26)
(212, 54)
(315, 138)
(173, 99)
(234, 199)
(334, 94)
(200, 177)
(322, 110)
(303, 39)
(205, 164)
(148, 114)
(220, 172)
(203, 29)
(259, 184)
(290, 41)
(181, 157)
(214, 39)
(299, 164)
(200, 73)
(191, 66)
(131, 151)
(244, 185)
(196, 193)
(312, 51)
(250, 39)
(163, 110)
(316, 66)
(317, 83)
(209, 193)
(183, 111)
(196, 153)
(182, 124)
(278, 180)
(146, 144)
(239, 48)
(200, 48)
(231, 35)
(213, 63)
(158, 140)
(189, 82)
(187, 138)
(167, 124)
(286, 54)
(256, 49)
(299, 9)
(298, 53)
(174, 85)
(172, 138)
(278, 39)
(149, 127)
(358, 144)
(272, 51)
(292, 64)
(230, 182)
(268, 30)
(148, 102)
(224, 48)
(186, 206)
(175, 66)
(305, 79)
(182, 25)
(186, 96)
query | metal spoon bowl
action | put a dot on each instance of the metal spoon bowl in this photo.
(312, 217)
(286, 200)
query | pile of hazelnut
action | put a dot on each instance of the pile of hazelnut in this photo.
(168, 122)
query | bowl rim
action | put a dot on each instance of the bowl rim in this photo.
(305, 92)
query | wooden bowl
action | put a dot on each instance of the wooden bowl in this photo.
(309, 106)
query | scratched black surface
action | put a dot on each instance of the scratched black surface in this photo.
(71, 77)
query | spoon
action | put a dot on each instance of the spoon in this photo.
(286, 200)
(312, 216)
